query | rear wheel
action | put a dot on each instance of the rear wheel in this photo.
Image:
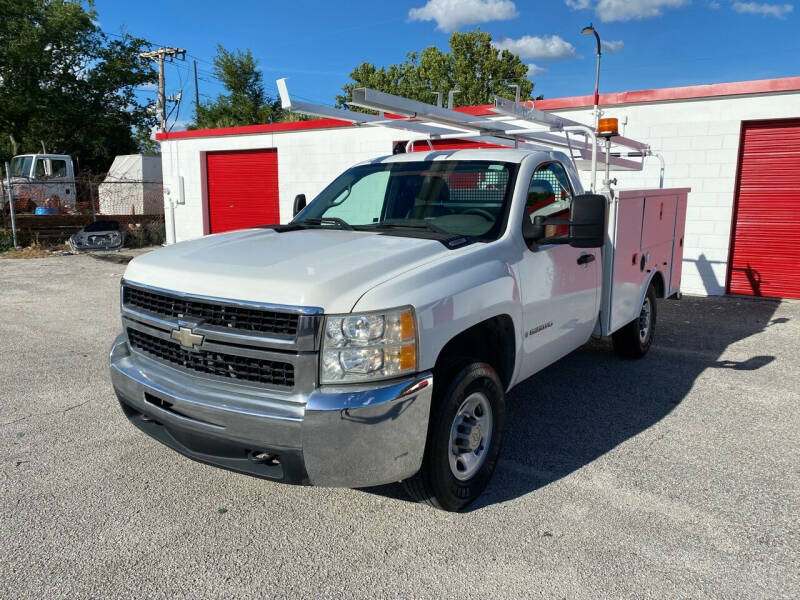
(634, 340)
(464, 439)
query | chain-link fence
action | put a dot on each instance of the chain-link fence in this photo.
(49, 210)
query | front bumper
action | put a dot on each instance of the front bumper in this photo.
(82, 241)
(344, 436)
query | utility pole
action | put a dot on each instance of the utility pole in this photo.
(159, 55)
(196, 91)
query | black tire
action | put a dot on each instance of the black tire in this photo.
(435, 483)
(634, 339)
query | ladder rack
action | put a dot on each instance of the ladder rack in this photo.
(357, 118)
(516, 125)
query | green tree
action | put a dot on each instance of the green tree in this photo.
(145, 144)
(65, 83)
(473, 66)
(246, 102)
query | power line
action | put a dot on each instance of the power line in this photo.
(209, 76)
(159, 56)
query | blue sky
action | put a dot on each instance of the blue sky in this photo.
(316, 43)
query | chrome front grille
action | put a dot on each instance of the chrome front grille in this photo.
(252, 343)
(221, 364)
(231, 316)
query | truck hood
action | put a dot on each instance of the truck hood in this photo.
(330, 269)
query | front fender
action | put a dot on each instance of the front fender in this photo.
(451, 295)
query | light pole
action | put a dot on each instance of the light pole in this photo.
(590, 30)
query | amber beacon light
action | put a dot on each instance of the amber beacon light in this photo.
(608, 127)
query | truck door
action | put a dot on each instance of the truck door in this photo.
(56, 187)
(62, 182)
(560, 284)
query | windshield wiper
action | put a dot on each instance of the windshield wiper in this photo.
(427, 225)
(340, 223)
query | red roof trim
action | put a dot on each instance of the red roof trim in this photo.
(761, 86)
(478, 111)
(738, 88)
(248, 129)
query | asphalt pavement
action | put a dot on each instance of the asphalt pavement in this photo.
(677, 476)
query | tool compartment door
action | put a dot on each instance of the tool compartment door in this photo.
(677, 246)
(658, 234)
(626, 276)
(647, 238)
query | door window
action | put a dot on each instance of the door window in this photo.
(58, 168)
(550, 195)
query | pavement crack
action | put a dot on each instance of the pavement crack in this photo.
(44, 414)
(656, 440)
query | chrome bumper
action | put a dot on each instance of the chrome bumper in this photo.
(333, 435)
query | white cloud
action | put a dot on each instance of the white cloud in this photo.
(625, 10)
(612, 47)
(767, 10)
(536, 47)
(534, 70)
(454, 14)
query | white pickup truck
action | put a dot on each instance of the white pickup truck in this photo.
(374, 338)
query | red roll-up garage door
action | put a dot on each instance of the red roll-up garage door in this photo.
(766, 228)
(242, 189)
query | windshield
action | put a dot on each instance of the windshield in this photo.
(21, 166)
(466, 198)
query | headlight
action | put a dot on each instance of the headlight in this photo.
(364, 346)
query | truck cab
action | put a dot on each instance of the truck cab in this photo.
(42, 180)
(373, 339)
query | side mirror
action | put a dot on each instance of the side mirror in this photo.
(532, 231)
(587, 224)
(587, 221)
(299, 204)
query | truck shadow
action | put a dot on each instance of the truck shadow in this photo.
(591, 401)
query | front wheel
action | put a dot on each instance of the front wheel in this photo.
(635, 339)
(464, 439)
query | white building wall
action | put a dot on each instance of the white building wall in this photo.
(699, 140)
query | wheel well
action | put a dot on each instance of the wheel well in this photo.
(491, 341)
(658, 284)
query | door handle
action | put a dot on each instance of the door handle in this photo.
(585, 259)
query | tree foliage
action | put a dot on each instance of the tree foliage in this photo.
(473, 66)
(65, 83)
(246, 101)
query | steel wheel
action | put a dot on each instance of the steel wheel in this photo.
(634, 339)
(470, 436)
(645, 318)
(465, 433)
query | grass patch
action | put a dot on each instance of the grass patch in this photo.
(35, 250)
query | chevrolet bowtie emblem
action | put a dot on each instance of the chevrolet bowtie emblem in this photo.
(187, 337)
